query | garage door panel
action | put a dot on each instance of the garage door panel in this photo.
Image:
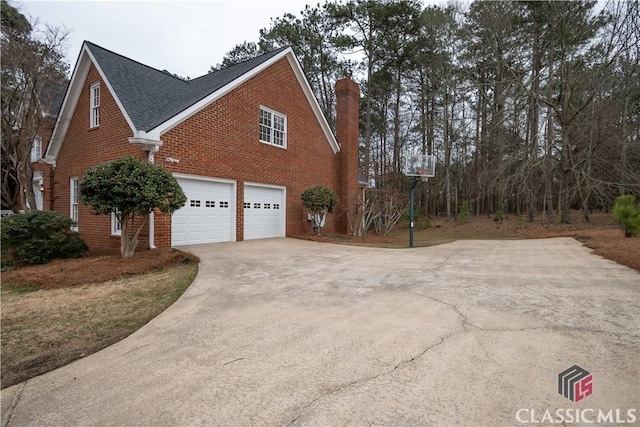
(264, 213)
(207, 216)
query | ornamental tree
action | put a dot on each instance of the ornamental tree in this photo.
(319, 200)
(130, 189)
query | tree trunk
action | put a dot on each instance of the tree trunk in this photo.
(129, 240)
(447, 153)
(548, 164)
(532, 127)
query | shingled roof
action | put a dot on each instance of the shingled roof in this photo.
(153, 101)
(150, 96)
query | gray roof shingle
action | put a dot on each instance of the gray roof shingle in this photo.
(151, 97)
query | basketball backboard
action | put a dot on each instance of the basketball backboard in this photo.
(420, 165)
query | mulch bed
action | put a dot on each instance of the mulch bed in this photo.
(93, 269)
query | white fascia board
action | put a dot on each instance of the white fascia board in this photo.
(288, 53)
(68, 106)
(313, 102)
(185, 114)
(85, 59)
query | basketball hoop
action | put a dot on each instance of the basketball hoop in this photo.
(422, 165)
(419, 167)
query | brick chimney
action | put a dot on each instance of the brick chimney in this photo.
(347, 121)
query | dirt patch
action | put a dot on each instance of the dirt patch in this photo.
(599, 234)
(93, 269)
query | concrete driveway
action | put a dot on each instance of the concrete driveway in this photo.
(287, 332)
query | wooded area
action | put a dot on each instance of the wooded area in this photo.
(530, 107)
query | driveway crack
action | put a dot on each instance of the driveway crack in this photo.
(466, 323)
(464, 328)
(374, 377)
(14, 404)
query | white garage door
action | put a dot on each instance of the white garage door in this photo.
(264, 212)
(208, 216)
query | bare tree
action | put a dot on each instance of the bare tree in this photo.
(33, 75)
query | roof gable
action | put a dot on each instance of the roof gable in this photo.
(154, 101)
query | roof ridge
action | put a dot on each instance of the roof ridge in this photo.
(271, 52)
(165, 72)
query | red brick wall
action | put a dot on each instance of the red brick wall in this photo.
(222, 141)
(84, 147)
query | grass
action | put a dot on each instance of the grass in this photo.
(45, 329)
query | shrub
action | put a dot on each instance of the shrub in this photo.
(463, 215)
(425, 223)
(320, 200)
(36, 237)
(499, 216)
(626, 214)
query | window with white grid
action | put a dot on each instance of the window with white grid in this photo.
(273, 128)
(116, 225)
(95, 105)
(74, 200)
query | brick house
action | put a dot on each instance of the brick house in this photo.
(243, 142)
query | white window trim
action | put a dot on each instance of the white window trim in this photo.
(36, 149)
(116, 227)
(74, 201)
(94, 106)
(271, 129)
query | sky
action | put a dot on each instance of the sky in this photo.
(183, 37)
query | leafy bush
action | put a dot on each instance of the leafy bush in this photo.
(425, 223)
(319, 200)
(36, 237)
(626, 214)
(463, 215)
(499, 216)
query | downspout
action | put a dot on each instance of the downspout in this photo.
(151, 145)
(152, 233)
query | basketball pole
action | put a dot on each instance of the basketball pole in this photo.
(414, 182)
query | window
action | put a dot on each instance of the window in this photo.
(256, 205)
(273, 128)
(247, 205)
(95, 105)
(36, 149)
(116, 226)
(194, 203)
(223, 204)
(210, 204)
(74, 202)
